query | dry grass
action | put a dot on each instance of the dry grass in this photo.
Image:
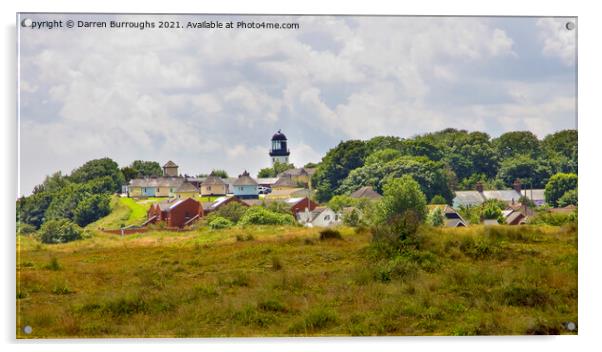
(285, 281)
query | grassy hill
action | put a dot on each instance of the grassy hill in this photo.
(276, 281)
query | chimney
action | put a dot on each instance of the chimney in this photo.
(516, 186)
(480, 187)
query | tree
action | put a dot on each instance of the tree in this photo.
(433, 176)
(310, 165)
(91, 209)
(275, 170)
(568, 198)
(338, 202)
(517, 143)
(98, 168)
(558, 185)
(336, 165)
(382, 156)
(562, 142)
(436, 217)
(401, 195)
(220, 223)
(262, 216)
(438, 199)
(219, 173)
(31, 210)
(352, 218)
(529, 171)
(147, 168)
(59, 231)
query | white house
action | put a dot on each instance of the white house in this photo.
(320, 216)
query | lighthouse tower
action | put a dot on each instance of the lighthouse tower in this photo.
(279, 152)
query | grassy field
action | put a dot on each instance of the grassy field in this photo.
(285, 281)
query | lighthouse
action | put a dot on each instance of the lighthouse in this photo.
(279, 151)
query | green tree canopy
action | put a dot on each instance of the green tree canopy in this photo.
(336, 165)
(98, 168)
(432, 176)
(529, 171)
(517, 143)
(558, 185)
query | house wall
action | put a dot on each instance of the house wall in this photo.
(327, 218)
(213, 190)
(183, 195)
(246, 192)
(149, 191)
(134, 191)
(163, 192)
(188, 209)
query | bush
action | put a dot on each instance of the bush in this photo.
(60, 231)
(435, 218)
(262, 216)
(232, 211)
(438, 199)
(568, 198)
(553, 219)
(25, 229)
(329, 234)
(352, 218)
(220, 223)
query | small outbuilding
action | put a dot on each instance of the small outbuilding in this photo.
(175, 213)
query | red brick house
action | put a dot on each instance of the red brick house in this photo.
(175, 213)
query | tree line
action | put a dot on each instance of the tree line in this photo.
(445, 161)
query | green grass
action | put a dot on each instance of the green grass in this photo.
(124, 211)
(284, 281)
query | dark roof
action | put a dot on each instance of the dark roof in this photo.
(279, 136)
(213, 180)
(170, 164)
(284, 181)
(156, 182)
(366, 192)
(245, 180)
(187, 187)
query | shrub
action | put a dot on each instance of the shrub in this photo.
(276, 264)
(568, 198)
(60, 231)
(271, 305)
(25, 229)
(232, 211)
(352, 218)
(220, 223)
(242, 238)
(553, 219)
(328, 234)
(524, 296)
(315, 320)
(262, 216)
(53, 264)
(435, 218)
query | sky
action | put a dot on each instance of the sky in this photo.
(212, 98)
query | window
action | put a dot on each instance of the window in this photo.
(327, 217)
(209, 188)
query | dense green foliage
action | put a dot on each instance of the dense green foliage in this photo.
(274, 170)
(91, 209)
(140, 168)
(558, 185)
(263, 216)
(335, 167)
(435, 217)
(81, 197)
(401, 210)
(445, 161)
(59, 231)
(219, 173)
(220, 223)
(232, 211)
(430, 175)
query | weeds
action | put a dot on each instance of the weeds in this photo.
(330, 234)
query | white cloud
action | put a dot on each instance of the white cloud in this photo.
(557, 40)
(211, 99)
